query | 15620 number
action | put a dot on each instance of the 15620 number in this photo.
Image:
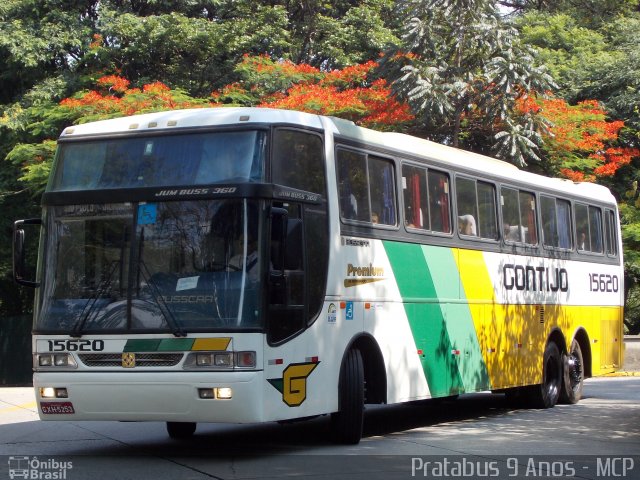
(76, 345)
(600, 282)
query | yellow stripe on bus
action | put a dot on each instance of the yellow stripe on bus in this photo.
(211, 344)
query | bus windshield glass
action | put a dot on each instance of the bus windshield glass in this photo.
(151, 161)
(175, 266)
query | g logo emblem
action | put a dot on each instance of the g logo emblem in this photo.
(293, 384)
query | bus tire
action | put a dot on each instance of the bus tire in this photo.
(547, 393)
(347, 422)
(181, 429)
(573, 378)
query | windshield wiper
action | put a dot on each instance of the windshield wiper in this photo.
(89, 307)
(176, 329)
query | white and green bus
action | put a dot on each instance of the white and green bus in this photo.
(256, 265)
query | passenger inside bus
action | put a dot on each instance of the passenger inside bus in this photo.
(467, 225)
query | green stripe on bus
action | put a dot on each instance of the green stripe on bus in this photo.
(458, 320)
(159, 345)
(426, 319)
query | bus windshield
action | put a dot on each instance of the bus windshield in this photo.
(173, 266)
(151, 161)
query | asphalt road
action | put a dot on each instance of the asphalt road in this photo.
(597, 438)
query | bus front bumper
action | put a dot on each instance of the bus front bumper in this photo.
(225, 397)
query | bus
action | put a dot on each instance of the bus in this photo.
(248, 265)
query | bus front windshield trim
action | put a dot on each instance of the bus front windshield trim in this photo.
(171, 266)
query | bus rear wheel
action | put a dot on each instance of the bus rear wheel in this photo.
(181, 429)
(573, 378)
(347, 422)
(547, 393)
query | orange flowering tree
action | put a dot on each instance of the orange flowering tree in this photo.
(110, 97)
(580, 143)
(349, 93)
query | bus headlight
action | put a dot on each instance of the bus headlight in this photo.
(53, 392)
(54, 360)
(224, 393)
(224, 360)
(220, 360)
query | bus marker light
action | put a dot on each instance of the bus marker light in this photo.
(244, 118)
(206, 393)
(62, 393)
(246, 359)
(311, 360)
(343, 305)
(367, 306)
(419, 351)
(276, 361)
(455, 352)
(224, 393)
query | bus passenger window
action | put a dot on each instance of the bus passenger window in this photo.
(467, 206)
(589, 228)
(382, 191)
(426, 199)
(353, 188)
(518, 216)
(488, 220)
(611, 233)
(476, 209)
(556, 222)
(298, 161)
(414, 180)
(439, 202)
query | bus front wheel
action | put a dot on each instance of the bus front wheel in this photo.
(547, 393)
(573, 378)
(180, 429)
(347, 422)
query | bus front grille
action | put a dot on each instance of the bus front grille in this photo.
(141, 359)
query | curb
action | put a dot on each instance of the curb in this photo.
(622, 374)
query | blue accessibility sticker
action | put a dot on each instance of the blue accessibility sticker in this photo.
(147, 213)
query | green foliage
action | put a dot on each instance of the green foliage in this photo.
(35, 160)
(630, 220)
(462, 68)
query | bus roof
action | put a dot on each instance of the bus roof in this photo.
(417, 147)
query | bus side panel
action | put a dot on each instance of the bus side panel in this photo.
(442, 326)
(532, 297)
(508, 333)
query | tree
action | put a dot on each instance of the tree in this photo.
(580, 143)
(462, 69)
(591, 13)
(112, 97)
(348, 93)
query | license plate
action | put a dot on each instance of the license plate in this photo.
(57, 408)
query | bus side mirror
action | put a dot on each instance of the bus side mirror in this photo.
(19, 253)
